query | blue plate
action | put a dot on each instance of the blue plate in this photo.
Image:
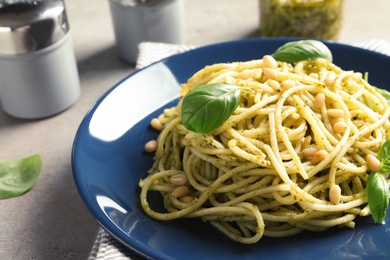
(108, 161)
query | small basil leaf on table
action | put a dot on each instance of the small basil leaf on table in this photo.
(18, 175)
(377, 195)
(302, 50)
(206, 107)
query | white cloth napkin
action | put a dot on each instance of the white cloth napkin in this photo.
(108, 248)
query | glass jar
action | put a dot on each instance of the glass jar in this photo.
(319, 19)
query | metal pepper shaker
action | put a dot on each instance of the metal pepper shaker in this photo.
(38, 70)
(135, 21)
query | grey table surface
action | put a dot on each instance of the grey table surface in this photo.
(51, 221)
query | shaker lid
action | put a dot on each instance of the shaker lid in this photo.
(27, 25)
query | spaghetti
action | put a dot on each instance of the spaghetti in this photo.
(290, 158)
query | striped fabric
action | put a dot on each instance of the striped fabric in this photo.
(108, 248)
(377, 45)
(150, 52)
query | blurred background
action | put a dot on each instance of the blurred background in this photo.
(221, 20)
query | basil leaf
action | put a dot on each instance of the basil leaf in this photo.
(206, 107)
(384, 93)
(302, 50)
(18, 175)
(384, 157)
(377, 195)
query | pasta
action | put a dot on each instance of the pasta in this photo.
(292, 156)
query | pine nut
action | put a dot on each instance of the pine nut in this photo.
(156, 124)
(334, 120)
(309, 151)
(314, 75)
(246, 74)
(287, 84)
(329, 79)
(270, 73)
(151, 146)
(180, 191)
(178, 179)
(319, 156)
(270, 62)
(335, 194)
(186, 199)
(335, 112)
(340, 127)
(373, 163)
(275, 85)
(319, 100)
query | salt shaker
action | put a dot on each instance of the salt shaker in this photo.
(135, 21)
(38, 70)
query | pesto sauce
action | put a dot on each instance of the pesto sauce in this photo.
(318, 19)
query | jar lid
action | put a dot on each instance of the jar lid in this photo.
(27, 26)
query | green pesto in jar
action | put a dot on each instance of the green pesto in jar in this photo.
(319, 19)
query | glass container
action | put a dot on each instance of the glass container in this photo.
(319, 19)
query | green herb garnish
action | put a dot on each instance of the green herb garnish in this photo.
(377, 187)
(208, 106)
(302, 50)
(384, 93)
(18, 175)
(377, 195)
(384, 157)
